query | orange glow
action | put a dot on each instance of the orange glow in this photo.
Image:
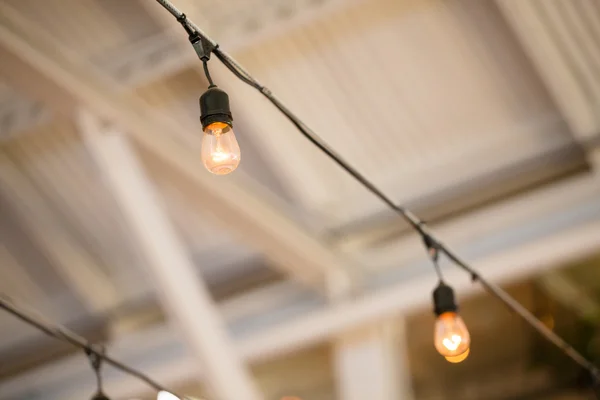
(217, 126)
(220, 150)
(451, 337)
(459, 358)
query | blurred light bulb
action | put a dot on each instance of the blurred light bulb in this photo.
(459, 358)
(162, 395)
(451, 337)
(220, 149)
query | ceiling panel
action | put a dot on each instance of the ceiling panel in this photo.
(89, 27)
(563, 40)
(17, 112)
(29, 278)
(413, 93)
(55, 160)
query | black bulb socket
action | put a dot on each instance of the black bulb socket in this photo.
(100, 396)
(214, 107)
(443, 300)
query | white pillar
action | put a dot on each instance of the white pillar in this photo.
(371, 363)
(182, 293)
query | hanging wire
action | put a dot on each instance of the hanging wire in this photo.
(434, 255)
(207, 73)
(96, 362)
(406, 214)
(436, 265)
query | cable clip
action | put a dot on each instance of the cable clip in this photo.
(182, 19)
(95, 359)
(201, 45)
(432, 246)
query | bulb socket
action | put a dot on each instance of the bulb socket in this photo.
(214, 107)
(100, 396)
(443, 300)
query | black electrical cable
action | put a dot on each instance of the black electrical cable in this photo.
(406, 214)
(244, 78)
(65, 335)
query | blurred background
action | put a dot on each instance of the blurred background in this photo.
(287, 278)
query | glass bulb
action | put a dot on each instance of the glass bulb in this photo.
(162, 395)
(459, 358)
(451, 337)
(220, 150)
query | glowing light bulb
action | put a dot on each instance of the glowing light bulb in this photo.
(220, 150)
(162, 395)
(459, 358)
(451, 337)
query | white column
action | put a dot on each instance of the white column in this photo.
(183, 294)
(371, 363)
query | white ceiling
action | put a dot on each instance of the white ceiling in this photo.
(412, 93)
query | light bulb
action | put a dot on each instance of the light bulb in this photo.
(162, 395)
(451, 337)
(459, 358)
(220, 150)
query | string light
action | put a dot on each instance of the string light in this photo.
(221, 153)
(220, 150)
(216, 117)
(416, 223)
(450, 335)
